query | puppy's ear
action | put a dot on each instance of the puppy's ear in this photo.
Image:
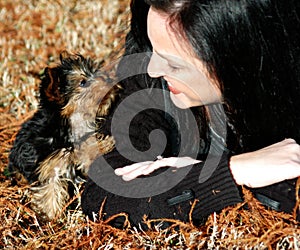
(67, 57)
(64, 54)
(50, 85)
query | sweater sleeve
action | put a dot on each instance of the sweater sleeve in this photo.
(217, 192)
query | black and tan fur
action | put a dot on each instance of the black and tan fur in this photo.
(55, 147)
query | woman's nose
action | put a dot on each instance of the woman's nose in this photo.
(155, 66)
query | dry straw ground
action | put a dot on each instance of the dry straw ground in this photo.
(32, 33)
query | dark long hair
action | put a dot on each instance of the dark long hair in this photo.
(252, 47)
(137, 41)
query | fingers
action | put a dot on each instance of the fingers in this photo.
(179, 162)
(127, 169)
(144, 168)
(133, 171)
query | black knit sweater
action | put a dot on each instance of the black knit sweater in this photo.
(217, 192)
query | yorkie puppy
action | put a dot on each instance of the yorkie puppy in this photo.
(56, 146)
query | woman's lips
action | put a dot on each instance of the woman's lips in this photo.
(173, 90)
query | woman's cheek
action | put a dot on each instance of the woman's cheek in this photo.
(184, 102)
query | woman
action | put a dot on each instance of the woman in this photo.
(240, 58)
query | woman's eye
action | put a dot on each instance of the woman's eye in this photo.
(174, 68)
(82, 83)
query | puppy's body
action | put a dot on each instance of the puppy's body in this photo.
(50, 147)
(38, 138)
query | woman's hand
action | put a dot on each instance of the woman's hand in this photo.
(144, 168)
(275, 163)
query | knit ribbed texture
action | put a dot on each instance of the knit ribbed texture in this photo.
(214, 194)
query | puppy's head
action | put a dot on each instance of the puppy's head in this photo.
(78, 89)
(72, 79)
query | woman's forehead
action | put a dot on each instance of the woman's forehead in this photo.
(156, 23)
(165, 40)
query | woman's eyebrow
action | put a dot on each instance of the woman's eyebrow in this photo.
(174, 60)
(170, 59)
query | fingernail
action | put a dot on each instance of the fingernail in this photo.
(126, 178)
(118, 171)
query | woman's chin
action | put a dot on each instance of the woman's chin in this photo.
(181, 101)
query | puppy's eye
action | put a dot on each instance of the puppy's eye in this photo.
(82, 83)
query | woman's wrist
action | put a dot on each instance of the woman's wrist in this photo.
(266, 166)
(234, 168)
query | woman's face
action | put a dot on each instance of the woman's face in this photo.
(174, 60)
